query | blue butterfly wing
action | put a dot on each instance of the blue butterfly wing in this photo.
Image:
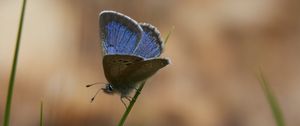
(150, 45)
(120, 34)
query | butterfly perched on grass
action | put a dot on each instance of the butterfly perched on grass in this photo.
(131, 52)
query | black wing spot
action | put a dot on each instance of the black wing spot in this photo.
(123, 61)
(128, 63)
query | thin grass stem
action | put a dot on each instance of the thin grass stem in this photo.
(168, 35)
(274, 105)
(128, 109)
(14, 68)
(41, 114)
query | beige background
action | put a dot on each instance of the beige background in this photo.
(216, 48)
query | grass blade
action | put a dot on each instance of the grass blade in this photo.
(275, 107)
(168, 35)
(126, 113)
(13, 70)
(41, 114)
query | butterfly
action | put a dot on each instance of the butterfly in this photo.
(131, 52)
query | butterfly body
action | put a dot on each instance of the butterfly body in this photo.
(131, 52)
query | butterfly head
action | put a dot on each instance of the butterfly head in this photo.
(108, 89)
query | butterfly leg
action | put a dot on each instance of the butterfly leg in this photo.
(128, 98)
(121, 98)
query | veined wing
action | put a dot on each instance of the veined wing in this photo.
(140, 71)
(114, 66)
(120, 34)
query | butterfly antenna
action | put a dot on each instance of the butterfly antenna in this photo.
(89, 85)
(93, 98)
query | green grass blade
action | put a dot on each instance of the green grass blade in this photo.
(127, 111)
(41, 114)
(13, 70)
(275, 107)
(168, 35)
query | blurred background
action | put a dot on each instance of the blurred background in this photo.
(216, 49)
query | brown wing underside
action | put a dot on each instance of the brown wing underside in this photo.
(126, 69)
(142, 70)
(114, 65)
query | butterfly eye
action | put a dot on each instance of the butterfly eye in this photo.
(110, 88)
